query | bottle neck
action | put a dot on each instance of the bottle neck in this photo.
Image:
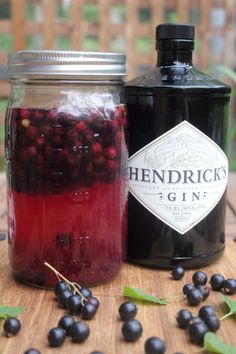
(174, 52)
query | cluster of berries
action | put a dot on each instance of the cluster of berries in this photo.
(53, 148)
(198, 326)
(219, 283)
(78, 302)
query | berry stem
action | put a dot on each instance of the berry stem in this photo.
(73, 285)
(225, 316)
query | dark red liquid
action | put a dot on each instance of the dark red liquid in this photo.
(66, 193)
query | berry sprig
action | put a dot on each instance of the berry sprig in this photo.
(75, 287)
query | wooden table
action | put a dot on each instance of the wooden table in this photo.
(41, 311)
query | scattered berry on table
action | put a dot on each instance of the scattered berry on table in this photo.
(88, 311)
(206, 311)
(74, 304)
(199, 278)
(94, 301)
(131, 330)
(183, 317)
(197, 332)
(65, 322)
(212, 323)
(32, 351)
(187, 287)
(63, 296)
(194, 297)
(127, 310)
(56, 337)
(177, 272)
(154, 345)
(205, 290)
(11, 326)
(217, 281)
(229, 286)
(85, 292)
(79, 331)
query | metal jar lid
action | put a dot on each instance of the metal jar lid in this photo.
(61, 64)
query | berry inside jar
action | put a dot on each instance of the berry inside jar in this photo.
(67, 192)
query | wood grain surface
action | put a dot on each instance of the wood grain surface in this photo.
(41, 311)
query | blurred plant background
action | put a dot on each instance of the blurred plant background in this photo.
(120, 26)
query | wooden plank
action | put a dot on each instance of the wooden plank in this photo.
(77, 24)
(203, 31)
(157, 12)
(182, 10)
(4, 89)
(5, 26)
(41, 311)
(48, 7)
(130, 34)
(18, 23)
(104, 24)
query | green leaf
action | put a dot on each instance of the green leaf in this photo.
(10, 311)
(231, 305)
(213, 344)
(136, 293)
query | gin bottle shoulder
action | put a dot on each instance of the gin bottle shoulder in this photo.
(178, 77)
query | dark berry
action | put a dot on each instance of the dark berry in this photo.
(186, 288)
(131, 330)
(183, 317)
(32, 351)
(154, 345)
(217, 281)
(212, 323)
(88, 311)
(11, 326)
(206, 311)
(56, 337)
(79, 331)
(74, 304)
(205, 290)
(61, 286)
(96, 352)
(63, 296)
(197, 332)
(65, 322)
(194, 297)
(94, 301)
(194, 319)
(127, 310)
(229, 286)
(177, 272)
(199, 278)
(85, 292)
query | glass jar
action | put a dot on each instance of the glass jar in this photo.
(66, 158)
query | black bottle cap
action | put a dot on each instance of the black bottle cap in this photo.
(175, 31)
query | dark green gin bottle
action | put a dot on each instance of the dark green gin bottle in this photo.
(178, 166)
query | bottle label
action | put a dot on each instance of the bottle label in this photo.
(179, 177)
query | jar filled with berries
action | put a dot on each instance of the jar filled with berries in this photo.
(66, 164)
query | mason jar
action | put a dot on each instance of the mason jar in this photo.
(66, 165)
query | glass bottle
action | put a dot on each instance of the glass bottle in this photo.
(66, 158)
(178, 119)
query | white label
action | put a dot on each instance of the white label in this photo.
(179, 177)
